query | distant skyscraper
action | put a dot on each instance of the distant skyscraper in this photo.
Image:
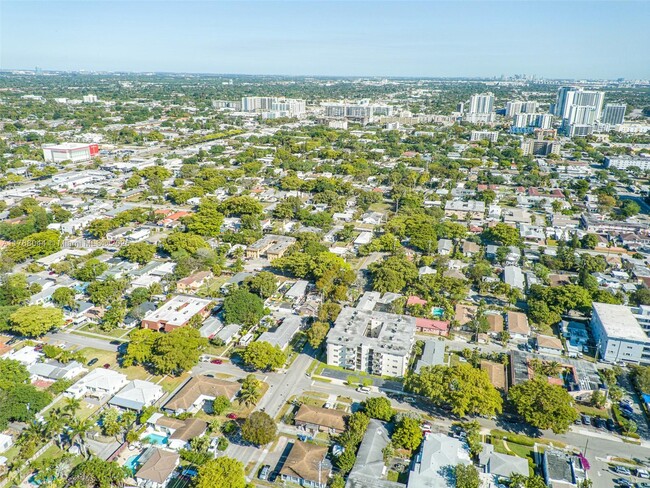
(613, 113)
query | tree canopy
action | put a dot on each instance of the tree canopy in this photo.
(263, 356)
(544, 405)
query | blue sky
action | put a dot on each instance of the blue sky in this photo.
(562, 38)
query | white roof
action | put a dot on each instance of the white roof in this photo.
(137, 394)
(178, 310)
(66, 146)
(619, 322)
(103, 379)
(26, 355)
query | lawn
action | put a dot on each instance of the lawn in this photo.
(102, 356)
(514, 449)
(86, 410)
(592, 411)
(94, 329)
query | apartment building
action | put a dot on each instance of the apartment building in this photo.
(177, 312)
(618, 334)
(272, 246)
(375, 342)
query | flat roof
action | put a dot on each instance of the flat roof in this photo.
(619, 322)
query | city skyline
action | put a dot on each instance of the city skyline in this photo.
(301, 38)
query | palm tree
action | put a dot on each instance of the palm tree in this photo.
(71, 406)
(250, 391)
(77, 430)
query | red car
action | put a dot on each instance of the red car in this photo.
(216, 361)
(107, 365)
(232, 416)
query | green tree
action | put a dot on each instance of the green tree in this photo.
(220, 405)
(466, 476)
(206, 222)
(378, 408)
(177, 351)
(393, 274)
(90, 270)
(178, 241)
(544, 405)
(316, 334)
(35, 320)
(408, 434)
(35, 246)
(519, 481)
(259, 428)
(114, 316)
(137, 252)
(263, 356)
(503, 234)
(250, 391)
(140, 348)
(464, 389)
(14, 290)
(64, 297)
(345, 461)
(105, 292)
(263, 284)
(99, 228)
(12, 372)
(97, 473)
(223, 471)
(242, 307)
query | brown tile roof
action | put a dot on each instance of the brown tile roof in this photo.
(326, 417)
(158, 466)
(170, 423)
(302, 462)
(190, 429)
(495, 321)
(549, 342)
(201, 385)
(496, 372)
(465, 313)
(518, 323)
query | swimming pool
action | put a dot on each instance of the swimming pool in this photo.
(157, 439)
(132, 463)
(438, 312)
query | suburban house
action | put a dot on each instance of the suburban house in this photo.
(562, 470)
(433, 466)
(197, 390)
(501, 465)
(429, 326)
(518, 325)
(433, 354)
(6, 442)
(369, 470)
(193, 282)
(156, 468)
(307, 465)
(54, 370)
(177, 432)
(137, 395)
(98, 383)
(177, 312)
(549, 345)
(316, 419)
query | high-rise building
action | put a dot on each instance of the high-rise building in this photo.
(527, 123)
(517, 107)
(579, 109)
(481, 108)
(613, 113)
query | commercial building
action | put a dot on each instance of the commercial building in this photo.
(177, 312)
(375, 342)
(362, 111)
(625, 162)
(69, 151)
(518, 107)
(579, 110)
(618, 334)
(613, 113)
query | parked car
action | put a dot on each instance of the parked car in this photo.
(644, 484)
(642, 473)
(610, 424)
(232, 416)
(363, 389)
(216, 361)
(115, 342)
(621, 470)
(92, 361)
(624, 483)
(106, 366)
(599, 422)
(264, 472)
(586, 419)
